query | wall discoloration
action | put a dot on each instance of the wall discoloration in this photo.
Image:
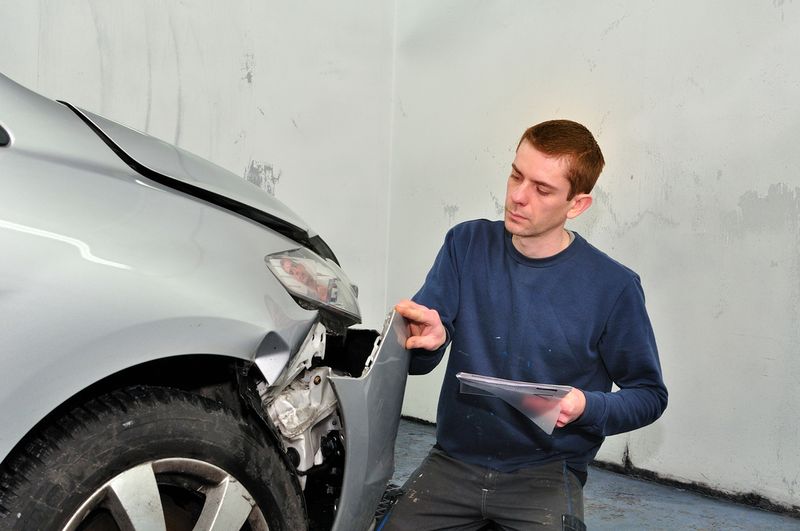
(179, 96)
(263, 175)
(778, 209)
(248, 68)
(499, 205)
(768, 224)
(450, 211)
(150, 52)
(779, 4)
(103, 46)
(599, 132)
(613, 26)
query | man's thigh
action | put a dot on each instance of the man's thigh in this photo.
(548, 496)
(444, 493)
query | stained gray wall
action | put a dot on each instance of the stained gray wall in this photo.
(694, 105)
(383, 125)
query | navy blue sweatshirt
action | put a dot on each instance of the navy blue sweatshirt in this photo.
(576, 318)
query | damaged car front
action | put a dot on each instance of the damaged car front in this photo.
(178, 346)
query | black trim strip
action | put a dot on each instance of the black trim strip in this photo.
(268, 220)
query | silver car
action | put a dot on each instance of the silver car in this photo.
(176, 346)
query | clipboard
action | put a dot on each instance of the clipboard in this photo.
(541, 403)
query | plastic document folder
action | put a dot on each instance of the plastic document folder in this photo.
(541, 403)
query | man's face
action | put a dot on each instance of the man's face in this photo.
(536, 195)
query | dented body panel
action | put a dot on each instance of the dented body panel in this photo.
(104, 270)
(371, 408)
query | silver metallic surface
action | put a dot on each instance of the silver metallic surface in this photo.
(174, 162)
(371, 411)
(134, 501)
(103, 270)
(280, 371)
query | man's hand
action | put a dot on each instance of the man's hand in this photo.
(424, 326)
(572, 406)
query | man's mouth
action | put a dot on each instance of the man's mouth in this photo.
(514, 217)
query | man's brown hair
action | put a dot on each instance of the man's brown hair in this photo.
(575, 143)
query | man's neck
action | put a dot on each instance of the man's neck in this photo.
(543, 246)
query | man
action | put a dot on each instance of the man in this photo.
(525, 299)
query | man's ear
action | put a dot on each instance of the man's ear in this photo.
(579, 204)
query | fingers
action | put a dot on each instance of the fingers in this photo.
(428, 337)
(417, 313)
(424, 342)
(413, 311)
(426, 330)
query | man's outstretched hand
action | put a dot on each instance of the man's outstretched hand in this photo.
(424, 326)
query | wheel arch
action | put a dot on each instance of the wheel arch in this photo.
(225, 379)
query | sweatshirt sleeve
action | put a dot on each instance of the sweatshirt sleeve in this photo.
(628, 350)
(440, 292)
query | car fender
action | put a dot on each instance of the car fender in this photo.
(133, 273)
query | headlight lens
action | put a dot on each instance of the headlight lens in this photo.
(311, 278)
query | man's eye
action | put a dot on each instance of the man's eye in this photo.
(543, 191)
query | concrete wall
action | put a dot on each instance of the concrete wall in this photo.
(692, 102)
(291, 95)
(694, 105)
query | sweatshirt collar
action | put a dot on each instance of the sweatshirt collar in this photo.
(576, 243)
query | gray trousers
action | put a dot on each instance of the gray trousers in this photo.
(445, 493)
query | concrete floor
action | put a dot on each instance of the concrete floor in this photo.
(617, 502)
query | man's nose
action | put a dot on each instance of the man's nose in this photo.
(519, 194)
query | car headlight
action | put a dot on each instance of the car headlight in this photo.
(318, 282)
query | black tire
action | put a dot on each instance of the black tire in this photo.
(183, 440)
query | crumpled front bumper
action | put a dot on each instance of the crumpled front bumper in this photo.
(370, 406)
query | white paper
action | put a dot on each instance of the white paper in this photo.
(541, 403)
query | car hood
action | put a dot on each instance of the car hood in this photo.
(176, 163)
(178, 169)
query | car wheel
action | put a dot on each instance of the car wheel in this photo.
(149, 458)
